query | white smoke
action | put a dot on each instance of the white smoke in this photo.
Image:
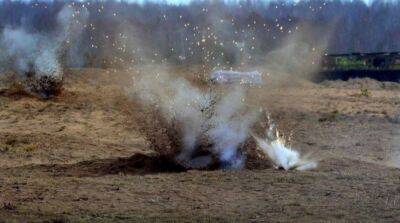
(72, 23)
(23, 52)
(393, 158)
(230, 126)
(222, 119)
(281, 155)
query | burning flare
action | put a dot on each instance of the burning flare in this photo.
(281, 155)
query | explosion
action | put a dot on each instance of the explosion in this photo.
(282, 156)
(198, 127)
(31, 61)
(207, 127)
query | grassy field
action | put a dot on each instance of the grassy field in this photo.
(69, 159)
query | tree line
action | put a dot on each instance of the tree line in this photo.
(216, 32)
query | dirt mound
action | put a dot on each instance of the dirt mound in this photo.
(138, 164)
(357, 83)
(39, 86)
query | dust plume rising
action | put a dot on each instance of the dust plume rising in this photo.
(298, 57)
(35, 58)
(196, 125)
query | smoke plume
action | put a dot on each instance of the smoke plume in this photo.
(207, 121)
(34, 58)
(281, 155)
(299, 56)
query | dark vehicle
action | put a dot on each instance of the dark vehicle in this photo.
(380, 66)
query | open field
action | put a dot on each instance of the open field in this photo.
(67, 159)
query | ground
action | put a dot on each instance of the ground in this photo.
(68, 159)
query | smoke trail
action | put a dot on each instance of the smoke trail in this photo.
(205, 120)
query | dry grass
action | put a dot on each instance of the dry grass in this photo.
(74, 158)
(43, 86)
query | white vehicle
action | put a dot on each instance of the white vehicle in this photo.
(230, 77)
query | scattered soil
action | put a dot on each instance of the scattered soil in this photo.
(82, 157)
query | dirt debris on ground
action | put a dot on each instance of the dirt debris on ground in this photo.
(81, 157)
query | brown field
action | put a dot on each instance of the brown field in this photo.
(68, 159)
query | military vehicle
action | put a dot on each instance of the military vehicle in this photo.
(230, 77)
(384, 66)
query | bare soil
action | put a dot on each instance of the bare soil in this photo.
(81, 157)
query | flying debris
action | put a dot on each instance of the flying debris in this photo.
(198, 126)
(282, 156)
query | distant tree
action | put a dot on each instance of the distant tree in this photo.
(213, 32)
